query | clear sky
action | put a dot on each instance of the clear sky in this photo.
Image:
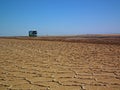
(59, 17)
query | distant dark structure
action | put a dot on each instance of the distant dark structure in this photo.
(32, 33)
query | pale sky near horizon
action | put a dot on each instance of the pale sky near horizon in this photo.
(59, 17)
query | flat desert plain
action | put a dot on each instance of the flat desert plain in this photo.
(42, 64)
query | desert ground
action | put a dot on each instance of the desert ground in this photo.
(60, 64)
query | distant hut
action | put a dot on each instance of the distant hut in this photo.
(32, 33)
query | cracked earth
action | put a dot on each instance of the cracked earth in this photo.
(54, 65)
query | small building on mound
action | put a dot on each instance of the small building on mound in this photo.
(32, 33)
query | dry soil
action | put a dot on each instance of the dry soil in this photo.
(55, 65)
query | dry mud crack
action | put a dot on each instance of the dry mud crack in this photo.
(48, 65)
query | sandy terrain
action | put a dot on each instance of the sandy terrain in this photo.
(54, 65)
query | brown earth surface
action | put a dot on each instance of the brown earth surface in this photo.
(38, 64)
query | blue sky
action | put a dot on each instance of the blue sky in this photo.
(59, 17)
